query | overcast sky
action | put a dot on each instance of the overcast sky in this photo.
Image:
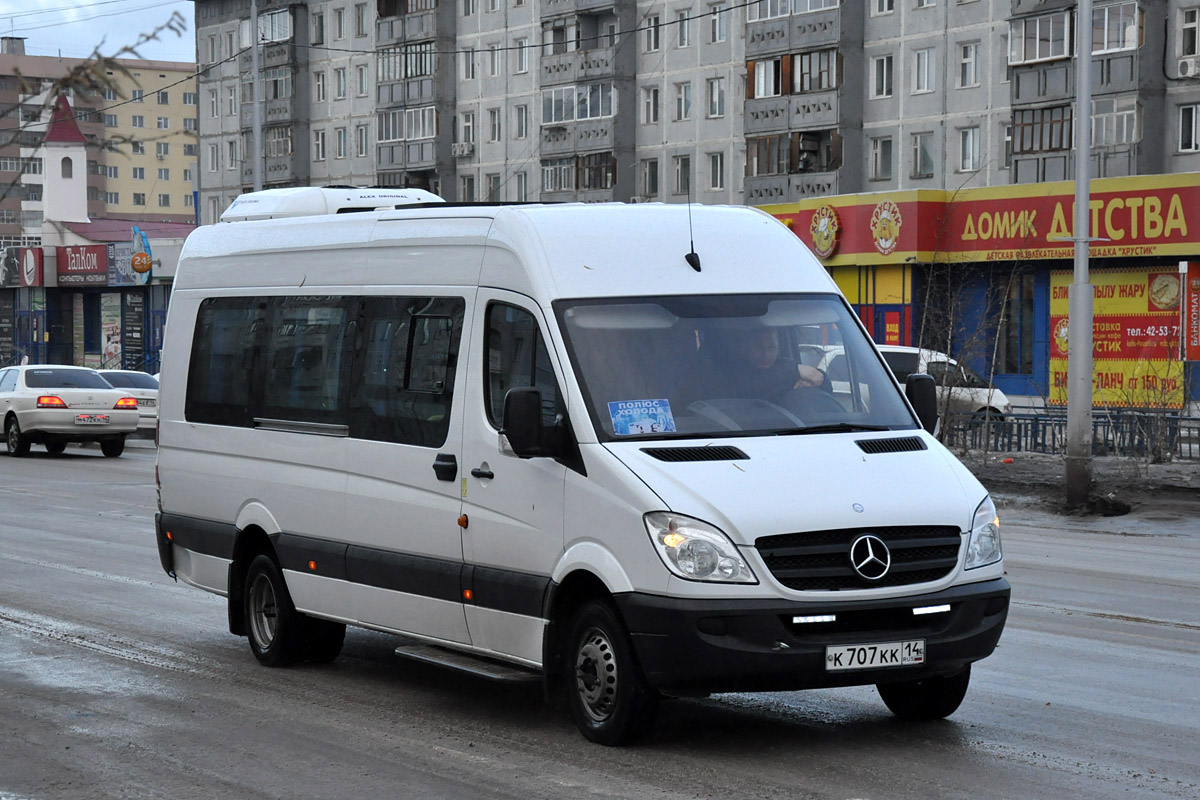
(74, 28)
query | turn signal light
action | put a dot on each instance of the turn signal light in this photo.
(50, 401)
(126, 402)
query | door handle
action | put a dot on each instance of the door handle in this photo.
(445, 466)
(485, 474)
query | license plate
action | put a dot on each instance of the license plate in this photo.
(91, 419)
(147, 403)
(874, 656)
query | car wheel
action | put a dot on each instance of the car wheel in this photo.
(608, 697)
(272, 623)
(16, 442)
(113, 447)
(55, 448)
(322, 639)
(931, 698)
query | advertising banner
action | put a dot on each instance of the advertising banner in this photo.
(83, 265)
(1135, 338)
(110, 329)
(7, 320)
(133, 342)
(21, 267)
(120, 265)
(77, 339)
(1191, 313)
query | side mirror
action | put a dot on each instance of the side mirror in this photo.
(523, 421)
(922, 393)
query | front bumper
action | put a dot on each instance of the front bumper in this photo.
(688, 646)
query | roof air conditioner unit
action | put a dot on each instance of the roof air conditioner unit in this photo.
(1189, 67)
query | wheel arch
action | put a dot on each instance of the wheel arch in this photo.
(250, 542)
(564, 596)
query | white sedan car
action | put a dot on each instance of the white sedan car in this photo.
(142, 386)
(51, 405)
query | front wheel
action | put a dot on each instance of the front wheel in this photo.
(16, 442)
(608, 697)
(113, 447)
(931, 698)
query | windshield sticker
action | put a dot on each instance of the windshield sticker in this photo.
(633, 417)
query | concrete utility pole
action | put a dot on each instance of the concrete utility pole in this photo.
(1079, 333)
(256, 108)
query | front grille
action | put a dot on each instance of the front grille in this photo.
(820, 560)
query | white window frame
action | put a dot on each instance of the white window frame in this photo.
(319, 86)
(718, 24)
(339, 83)
(1189, 32)
(521, 122)
(683, 22)
(493, 124)
(768, 9)
(968, 65)
(1189, 129)
(970, 158)
(653, 28)
(716, 171)
(922, 144)
(339, 142)
(716, 97)
(683, 101)
(468, 64)
(1111, 18)
(681, 170)
(882, 84)
(522, 46)
(650, 98)
(924, 70)
(362, 141)
(881, 8)
(768, 78)
(882, 158)
(318, 145)
(1045, 28)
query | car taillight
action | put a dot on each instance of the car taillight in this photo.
(50, 401)
(126, 402)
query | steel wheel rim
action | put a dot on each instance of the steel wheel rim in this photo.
(263, 611)
(10, 438)
(596, 675)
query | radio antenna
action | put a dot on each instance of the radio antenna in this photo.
(691, 258)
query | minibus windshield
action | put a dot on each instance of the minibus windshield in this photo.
(727, 365)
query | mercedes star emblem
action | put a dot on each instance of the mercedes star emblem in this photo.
(870, 557)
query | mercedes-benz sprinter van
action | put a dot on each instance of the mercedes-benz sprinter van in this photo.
(573, 442)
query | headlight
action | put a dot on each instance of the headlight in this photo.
(696, 550)
(983, 547)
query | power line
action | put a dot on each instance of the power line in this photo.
(72, 7)
(26, 28)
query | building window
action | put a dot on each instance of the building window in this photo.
(1189, 33)
(768, 9)
(924, 71)
(339, 23)
(494, 59)
(187, 201)
(162, 149)
(214, 105)
(493, 187)
(318, 36)
(190, 150)
(558, 175)
(110, 95)
(716, 97)
(1115, 121)
(214, 158)
(493, 124)
(190, 124)
(521, 121)
(653, 29)
(1189, 137)
(716, 171)
(1015, 332)
(1042, 130)
(319, 86)
(881, 158)
(926, 3)
(112, 198)
(110, 120)
(768, 77)
(468, 64)
(968, 65)
(111, 172)
(163, 98)
(139, 121)
(650, 177)
(191, 99)
(187, 175)
(318, 145)
(650, 105)
(277, 141)
(139, 199)
(361, 85)
(414, 123)
(682, 168)
(597, 171)
(164, 200)
(1008, 146)
(683, 101)
(163, 123)
(718, 24)
(882, 7)
(274, 26)
(470, 7)
(339, 83)
(231, 101)
(922, 155)
(1115, 27)
(881, 83)
(815, 72)
(360, 19)
(138, 148)
(683, 22)
(522, 46)
(139, 173)
(1039, 38)
(164, 173)
(522, 179)
(362, 141)
(339, 143)
(137, 96)
(969, 157)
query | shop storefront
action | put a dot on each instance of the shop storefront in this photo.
(983, 274)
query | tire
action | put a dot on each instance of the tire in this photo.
(272, 623)
(113, 447)
(931, 698)
(55, 448)
(608, 697)
(279, 634)
(14, 440)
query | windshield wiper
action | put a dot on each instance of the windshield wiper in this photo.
(835, 427)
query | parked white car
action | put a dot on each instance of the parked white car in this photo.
(144, 387)
(53, 405)
(967, 392)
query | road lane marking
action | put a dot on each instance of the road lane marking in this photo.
(91, 573)
(1166, 623)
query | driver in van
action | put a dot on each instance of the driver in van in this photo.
(749, 364)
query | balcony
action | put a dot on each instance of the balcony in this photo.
(764, 189)
(798, 31)
(419, 154)
(275, 54)
(569, 138)
(408, 28)
(274, 112)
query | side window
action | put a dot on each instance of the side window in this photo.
(517, 358)
(942, 373)
(305, 359)
(404, 377)
(902, 364)
(8, 380)
(839, 369)
(221, 373)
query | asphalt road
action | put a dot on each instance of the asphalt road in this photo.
(117, 682)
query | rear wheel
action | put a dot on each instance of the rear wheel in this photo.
(54, 448)
(113, 447)
(16, 442)
(931, 698)
(279, 634)
(608, 697)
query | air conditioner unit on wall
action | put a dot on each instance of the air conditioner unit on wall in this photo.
(1189, 67)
